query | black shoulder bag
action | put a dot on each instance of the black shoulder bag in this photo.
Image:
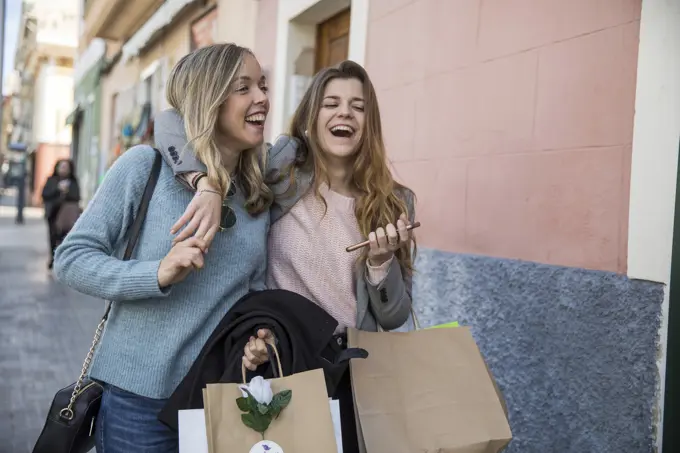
(70, 423)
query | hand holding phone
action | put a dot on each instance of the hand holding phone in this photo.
(360, 245)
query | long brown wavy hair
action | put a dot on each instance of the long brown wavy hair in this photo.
(381, 199)
(197, 88)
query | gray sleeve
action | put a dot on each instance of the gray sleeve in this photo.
(282, 158)
(391, 299)
(171, 140)
(84, 260)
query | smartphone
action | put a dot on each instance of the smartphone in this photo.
(354, 247)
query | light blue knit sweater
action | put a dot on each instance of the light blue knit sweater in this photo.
(152, 337)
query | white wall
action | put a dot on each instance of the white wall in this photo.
(655, 156)
(53, 102)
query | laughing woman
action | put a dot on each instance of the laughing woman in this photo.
(163, 311)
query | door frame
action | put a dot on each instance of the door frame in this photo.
(294, 22)
(322, 39)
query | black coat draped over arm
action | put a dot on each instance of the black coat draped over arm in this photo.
(304, 334)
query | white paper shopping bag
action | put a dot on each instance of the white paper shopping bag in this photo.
(335, 414)
(192, 433)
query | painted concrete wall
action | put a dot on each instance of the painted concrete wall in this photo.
(512, 120)
(573, 350)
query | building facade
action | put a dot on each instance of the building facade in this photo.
(140, 43)
(45, 53)
(541, 139)
(85, 119)
(5, 135)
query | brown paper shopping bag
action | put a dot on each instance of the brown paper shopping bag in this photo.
(426, 391)
(304, 426)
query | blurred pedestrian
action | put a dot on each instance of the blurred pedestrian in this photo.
(61, 198)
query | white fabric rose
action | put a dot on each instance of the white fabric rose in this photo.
(260, 389)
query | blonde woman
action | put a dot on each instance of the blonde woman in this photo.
(353, 196)
(165, 308)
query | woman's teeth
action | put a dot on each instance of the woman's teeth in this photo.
(342, 131)
(342, 128)
(256, 118)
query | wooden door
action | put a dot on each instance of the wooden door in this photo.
(332, 40)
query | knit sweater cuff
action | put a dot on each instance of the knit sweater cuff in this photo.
(143, 282)
(376, 274)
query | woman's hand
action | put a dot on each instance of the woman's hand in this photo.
(255, 352)
(385, 241)
(180, 261)
(202, 217)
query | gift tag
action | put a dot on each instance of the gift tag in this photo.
(266, 446)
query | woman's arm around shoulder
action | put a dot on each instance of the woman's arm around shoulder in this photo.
(84, 260)
(171, 140)
(282, 153)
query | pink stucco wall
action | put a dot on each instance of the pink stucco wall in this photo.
(512, 120)
(46, 157)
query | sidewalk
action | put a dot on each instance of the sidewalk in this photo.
(8, 204)
(45, 331)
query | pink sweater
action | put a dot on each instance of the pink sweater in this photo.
(307, 254)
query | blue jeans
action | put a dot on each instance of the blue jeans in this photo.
(128, 423)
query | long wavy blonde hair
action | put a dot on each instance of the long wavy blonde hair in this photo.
(197, 87)
(381, 199)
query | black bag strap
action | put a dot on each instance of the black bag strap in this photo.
(136, 227)
(138, 223)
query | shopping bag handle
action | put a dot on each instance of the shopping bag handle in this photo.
(270, 347)
(416, 322)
